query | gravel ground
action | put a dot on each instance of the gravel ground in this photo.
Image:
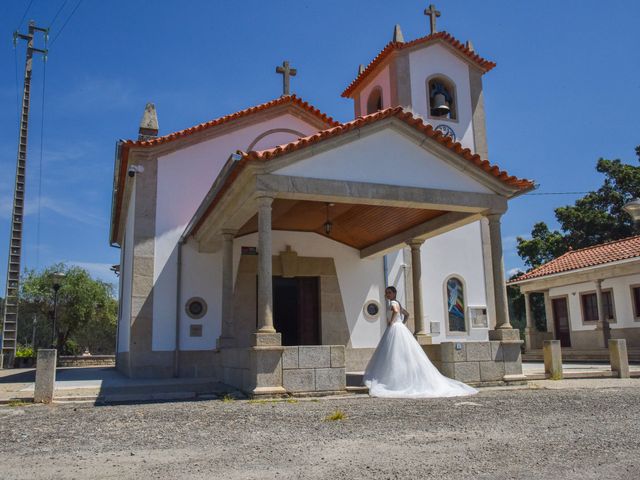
(563, 434)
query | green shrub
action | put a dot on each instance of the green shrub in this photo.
(71, 347)
(25, 351)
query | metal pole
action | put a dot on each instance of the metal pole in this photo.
(55, 312)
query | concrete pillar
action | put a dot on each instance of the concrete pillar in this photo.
(416, 275)
(45, 376)
(548, 312)
(618, 357)
(504, 331)
(226, 336)
(529, 330)
(603, 321)
(552, 359)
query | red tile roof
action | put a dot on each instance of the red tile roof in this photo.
(587, 257)
(483, 64)
(126, 145)
(397, 112)
(408, 118)
(285, 99)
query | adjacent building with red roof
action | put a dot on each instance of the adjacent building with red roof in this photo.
(590, 295)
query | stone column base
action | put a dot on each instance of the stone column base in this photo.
(528, 338)
(505, 335)
(260, 339)
(265, 370)
(424, 339)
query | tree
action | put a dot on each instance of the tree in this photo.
(86, 309)
(595, 218)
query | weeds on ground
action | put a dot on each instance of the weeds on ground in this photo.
(292, 400)
(228, 398)
(335, 416)
(17, 403)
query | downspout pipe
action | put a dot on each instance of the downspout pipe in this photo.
(176, 356)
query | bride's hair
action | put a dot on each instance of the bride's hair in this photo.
(392, 289)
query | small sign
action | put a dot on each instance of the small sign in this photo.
(195, 330)
(458, 346)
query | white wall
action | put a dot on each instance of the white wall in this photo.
(386, 157)
(201, 277)
(382, 80)
(621, 297)
(184, 178)
(459, 253)
(437, 59)
(359, 280)
(126, 276)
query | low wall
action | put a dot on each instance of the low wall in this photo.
(476, 362)
(87, 361)
(308, 369)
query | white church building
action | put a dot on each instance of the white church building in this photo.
(256, 247)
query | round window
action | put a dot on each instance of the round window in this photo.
(196, 307)
(371, 309)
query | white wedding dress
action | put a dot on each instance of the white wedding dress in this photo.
(399, 368)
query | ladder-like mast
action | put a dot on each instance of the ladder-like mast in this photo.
(12, 287)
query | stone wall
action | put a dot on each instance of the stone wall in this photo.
(87, 361)
(477, 363)
(309, 369)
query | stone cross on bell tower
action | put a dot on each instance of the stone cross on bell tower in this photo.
(286, 72)
(432, 13)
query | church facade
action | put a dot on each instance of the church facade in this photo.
(255, 248)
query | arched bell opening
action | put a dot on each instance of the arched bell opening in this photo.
(374, 102)
(441, 98)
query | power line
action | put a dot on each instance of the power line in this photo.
(557, 193)
(57, 13)
(44, 82)
(24, 15)
(65, 23)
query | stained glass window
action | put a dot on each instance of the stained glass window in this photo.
(455, 305)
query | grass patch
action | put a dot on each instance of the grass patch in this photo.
(335, 416)
(292, 400)
(228, 398)
(17, 403)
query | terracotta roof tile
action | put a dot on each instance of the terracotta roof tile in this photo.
(586, 257)
(410, 119)
(483, 64)
(227, 118)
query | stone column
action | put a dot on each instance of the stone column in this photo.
(603, 321)
(529, 330)
(421, 334)
(548, 312)
(552, 353)
(226, 336)
(504, 330)
(45, 376)
(266, 334)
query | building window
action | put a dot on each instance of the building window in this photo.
(635, 299)
(456, 305)
(441, 98)
(196, 307)
(590, 306)
(374, 103)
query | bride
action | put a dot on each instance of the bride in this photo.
(399, 367)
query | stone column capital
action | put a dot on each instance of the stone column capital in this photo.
(265, 200)
(228, 234)
(494, 217)
(415, 243)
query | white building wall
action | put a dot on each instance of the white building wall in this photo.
(126, 277)
(386, 157)
(437, 59)
(382, 80)
(459, 253)
(359, 280)
(184, 178)
(621, 287)
(201, 277)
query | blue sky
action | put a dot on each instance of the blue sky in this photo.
(566, 91)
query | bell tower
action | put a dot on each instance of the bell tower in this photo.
(437, 77)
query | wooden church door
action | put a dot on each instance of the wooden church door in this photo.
(296, 310)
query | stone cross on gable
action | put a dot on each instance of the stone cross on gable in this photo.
(433, 14)
(286, 72)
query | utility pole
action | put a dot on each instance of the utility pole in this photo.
(10, 313)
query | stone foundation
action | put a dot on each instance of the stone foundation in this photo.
(314, 369)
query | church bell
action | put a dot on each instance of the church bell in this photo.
(440, 105)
